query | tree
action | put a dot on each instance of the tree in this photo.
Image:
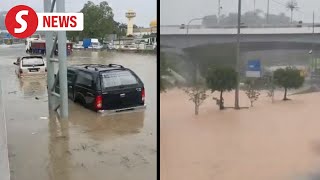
(252, 91)
(221, 79)
(288, 78)
(98, 21)
(197, 94)
(163, 72)
(292, 5)
(269, 83)
(257, 17)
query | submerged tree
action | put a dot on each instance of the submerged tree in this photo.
(221, 79)
(288, 78)
(252, 91)
(269, 84)
(197, 94)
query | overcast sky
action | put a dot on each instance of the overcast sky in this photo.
(175, 12)
(146, 10)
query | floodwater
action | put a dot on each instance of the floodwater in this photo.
(88, 145)
(278, 141)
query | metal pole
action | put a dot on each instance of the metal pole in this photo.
(238, 57)
(219, 10)
(313, 23)
(313, 49)
(268, 11)
(52, 5)
(50, 65)
(62, 65)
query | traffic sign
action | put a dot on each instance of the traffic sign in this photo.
(253, 68)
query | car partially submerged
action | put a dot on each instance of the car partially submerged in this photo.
(30, 66)
(105, 88)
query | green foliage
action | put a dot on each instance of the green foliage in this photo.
(221, 79)
(98, 22)
(252, 91)
(163, 72)
(288, 78)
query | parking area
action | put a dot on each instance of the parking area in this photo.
(88, 145)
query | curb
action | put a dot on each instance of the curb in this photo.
(4, 158)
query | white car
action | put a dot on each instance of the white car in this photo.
(30, 65)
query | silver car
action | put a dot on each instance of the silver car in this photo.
(30, 66)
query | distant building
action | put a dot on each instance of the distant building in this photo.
(152, 29)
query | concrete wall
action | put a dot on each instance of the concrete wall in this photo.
(4, 160)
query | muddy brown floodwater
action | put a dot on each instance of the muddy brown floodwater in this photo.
(279, 141)
(87, 146)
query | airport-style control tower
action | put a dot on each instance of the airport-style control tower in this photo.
(130, 15)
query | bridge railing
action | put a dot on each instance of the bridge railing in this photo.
(294, 25)
(4, 159)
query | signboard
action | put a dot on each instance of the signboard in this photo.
(253, 68)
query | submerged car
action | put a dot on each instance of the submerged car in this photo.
(30, 65)
(105, 88)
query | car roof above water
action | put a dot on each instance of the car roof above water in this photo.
(31, 57)
(96, 68)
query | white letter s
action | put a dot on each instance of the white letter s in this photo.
(21, 21)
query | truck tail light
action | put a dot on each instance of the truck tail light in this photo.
(98, 102)
(143, 95)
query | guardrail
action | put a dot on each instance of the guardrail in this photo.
(183, 26)
(4, 159)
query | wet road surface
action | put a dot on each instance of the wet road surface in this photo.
(279, 141)
(87, 146)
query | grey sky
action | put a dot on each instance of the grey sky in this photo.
(181, 11)
(146, 10)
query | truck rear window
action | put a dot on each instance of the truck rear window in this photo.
(27, 62)
(117, 78)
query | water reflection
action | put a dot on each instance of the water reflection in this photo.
(59, 154)
(100, 127)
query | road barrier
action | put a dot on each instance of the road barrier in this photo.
(4, 159)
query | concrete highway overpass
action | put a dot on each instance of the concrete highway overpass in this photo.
(273, 46)
(287, 38)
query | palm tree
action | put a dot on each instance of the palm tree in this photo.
(292, 5)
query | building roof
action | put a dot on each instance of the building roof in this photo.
(153, 23)
(145, 30)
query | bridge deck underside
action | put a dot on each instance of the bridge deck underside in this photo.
(263, 41)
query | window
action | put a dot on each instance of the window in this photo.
(84, 79)
(27, 62)
(70, 77)
(118, 78)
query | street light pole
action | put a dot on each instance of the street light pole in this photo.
(268, 11)
(219, 10)
(238, 57)
(312, 50)
(313, 23)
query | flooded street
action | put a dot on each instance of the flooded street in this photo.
(88, 145)
(278, 141)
